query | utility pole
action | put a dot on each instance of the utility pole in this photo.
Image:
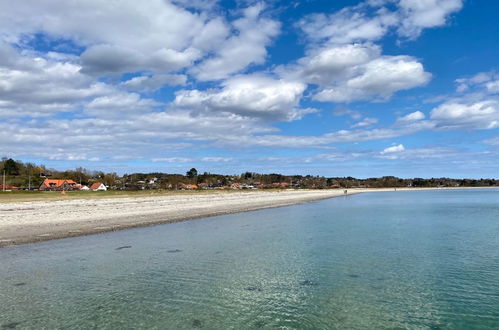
(29, 182)
(3, 186)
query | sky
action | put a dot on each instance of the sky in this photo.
(408, 88)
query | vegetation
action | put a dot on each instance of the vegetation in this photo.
(29, 175)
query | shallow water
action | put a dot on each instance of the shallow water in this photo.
(381, 260)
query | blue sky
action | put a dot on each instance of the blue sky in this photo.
(337, 88)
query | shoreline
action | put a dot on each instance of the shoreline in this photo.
(36, 221)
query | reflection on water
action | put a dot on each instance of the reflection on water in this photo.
(383, 260)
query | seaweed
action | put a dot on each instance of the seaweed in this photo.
(253, 288)
(123, 247)
(11, 325)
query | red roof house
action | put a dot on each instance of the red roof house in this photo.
(57, 185)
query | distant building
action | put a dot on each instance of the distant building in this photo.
(58, 185)
(188, 186)
(98, 186)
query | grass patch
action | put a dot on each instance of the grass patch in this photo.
(32, 196)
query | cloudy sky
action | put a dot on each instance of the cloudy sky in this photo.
(336, 88)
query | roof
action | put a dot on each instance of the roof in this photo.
(95, 185)
(56, 183)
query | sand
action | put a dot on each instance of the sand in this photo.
(25, 222)
(33, 221)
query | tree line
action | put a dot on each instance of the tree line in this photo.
(24, 175)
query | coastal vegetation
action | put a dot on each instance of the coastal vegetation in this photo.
(29, 176)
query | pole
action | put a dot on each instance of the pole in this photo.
(3, 186)
(29, 183)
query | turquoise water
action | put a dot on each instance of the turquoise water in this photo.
(417, 260)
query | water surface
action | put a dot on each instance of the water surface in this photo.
(418, 260)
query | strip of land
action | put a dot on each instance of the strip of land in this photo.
(33, 221)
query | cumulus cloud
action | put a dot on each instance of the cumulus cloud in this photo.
(376, 79)
(347, 73)
(246, 47)
(255, 96)
(372, 20)
(343, 61)
(160, 36)
(35, 86)
(349, 25)
(417, 15)
(474, 115)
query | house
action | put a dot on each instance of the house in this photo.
(58, 185)
(98, 186)
(85, 188)
(235, 185)
(188, 186)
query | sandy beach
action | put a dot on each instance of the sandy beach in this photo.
(25, 222)
(33, 221)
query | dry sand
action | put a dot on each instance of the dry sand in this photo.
(34, 221)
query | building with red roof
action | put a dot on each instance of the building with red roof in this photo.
(58, 185)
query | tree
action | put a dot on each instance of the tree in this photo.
(192, 173)
(11, 167)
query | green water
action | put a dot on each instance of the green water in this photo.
(410, 260)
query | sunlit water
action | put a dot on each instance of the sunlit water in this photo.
(382, 260)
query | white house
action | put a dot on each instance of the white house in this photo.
(98, 186)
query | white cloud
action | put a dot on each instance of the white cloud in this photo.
(377, 79)
(351, 24)
(431, 152)
(365, 122)
(411, 117)
(119, 105)
(111, 59)
(494, 141)
(393, 149)
(152, 83)
(417, 15)
(246, 47)
(35, 86)
(341, 110)
(324, 66)
(485, 82)
(474, 115)
(127, 36)
(254, 96)
(347, 73)
(372, 20)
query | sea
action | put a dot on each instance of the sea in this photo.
(384, 260)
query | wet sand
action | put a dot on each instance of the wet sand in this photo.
(25, 222)
(35, 221)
